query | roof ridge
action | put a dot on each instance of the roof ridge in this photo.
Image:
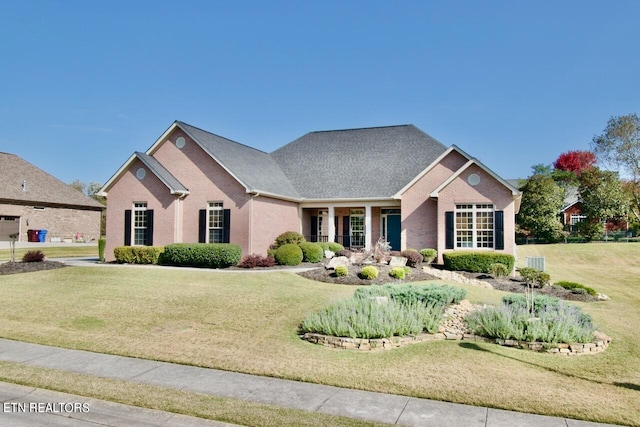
(220, 136)
(362, 128)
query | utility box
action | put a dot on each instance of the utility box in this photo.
(536, 262)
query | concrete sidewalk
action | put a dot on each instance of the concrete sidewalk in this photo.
(387, 408)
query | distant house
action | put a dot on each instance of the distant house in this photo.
(351, 186)
(31, 199)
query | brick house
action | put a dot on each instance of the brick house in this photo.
(31, 199)
(350, 186)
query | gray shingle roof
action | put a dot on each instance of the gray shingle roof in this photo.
(162, 173)
(255, 169)
(357, 163)
(41, 188)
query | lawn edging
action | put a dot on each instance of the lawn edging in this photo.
(599, 344)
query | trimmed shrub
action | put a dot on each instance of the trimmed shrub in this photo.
(576, 287)
(429, 255)
(369, 272)
(33, 256)
(498, 270)
(102, 244)
(397, 273)
(414, 258)
(289, 254)
(289, 237)
(476, 262)
(209, 255)
(342, 271)
(335, 247)
(255, 260)
(311, 252)
(324, 245)
(137, 254)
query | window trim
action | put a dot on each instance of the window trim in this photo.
(139, 208)
(216, 206)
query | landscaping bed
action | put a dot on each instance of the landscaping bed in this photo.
(28, 267)
(322, 274)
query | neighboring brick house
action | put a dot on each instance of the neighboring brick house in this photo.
(31, 199)
(350, 186)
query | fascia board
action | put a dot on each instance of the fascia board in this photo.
(105, 188)
(514, 191)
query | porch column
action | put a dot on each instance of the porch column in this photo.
(367, 226)
(332, 224)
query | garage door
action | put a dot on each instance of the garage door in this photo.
(8, 225)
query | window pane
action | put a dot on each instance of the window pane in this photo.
(214, 222)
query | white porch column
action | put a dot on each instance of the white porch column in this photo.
(367, 226)
(332, 224)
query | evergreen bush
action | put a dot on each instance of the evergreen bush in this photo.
(576, 287)
(311, 252)
(137, 254)
(414, 258)
(476, 262)
(209, 255)
(289, 254)
(341, 271)
(428, 255)
(369, 272)
(398, 273)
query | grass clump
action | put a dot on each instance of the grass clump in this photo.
(554, 321)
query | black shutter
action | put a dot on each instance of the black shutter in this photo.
(335, 229)
(314, 228)
(346, 230)
(226, 225)
(149, 236)
(127, 227)
(499, 233)
(449, 230)
(202, 226)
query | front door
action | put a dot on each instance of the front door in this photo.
(392, 229)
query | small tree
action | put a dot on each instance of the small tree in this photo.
(12, 244)
(541, 203)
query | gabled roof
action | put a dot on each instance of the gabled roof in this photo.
(357, 163)
(162, 173)
(23, 183)
(256, 170)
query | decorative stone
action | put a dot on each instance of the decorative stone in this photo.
(329, 254)
(397, 261)
(337, 261)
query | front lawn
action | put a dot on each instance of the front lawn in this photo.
(248, 322)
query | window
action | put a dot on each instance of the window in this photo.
(357, 227)
(576, 218)
(215, 222)
(474, 226)
(323, 226)
(140, 223)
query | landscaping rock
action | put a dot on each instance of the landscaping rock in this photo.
(329, 254)
(397, 261)
(336, 261)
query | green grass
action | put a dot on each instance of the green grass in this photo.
(248, 323)
(53, 251)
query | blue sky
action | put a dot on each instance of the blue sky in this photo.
(84, 84)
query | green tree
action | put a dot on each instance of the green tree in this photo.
(540, 208)
(619, 146)
(602, 198)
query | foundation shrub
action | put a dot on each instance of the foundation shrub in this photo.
(414, 258)
(209, 255)
(255, 260)
(138, 254)
(428, 254)
(289, 237)
(311, 252)
(289, 254)
(102, 244)
(476, 262)
(341, 271)
(335, 247)
(398, 273)
(369, 272)
(576, 287)
(33, 256)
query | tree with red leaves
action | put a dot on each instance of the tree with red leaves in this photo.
(575, 161)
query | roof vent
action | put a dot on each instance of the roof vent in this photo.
(24, 185)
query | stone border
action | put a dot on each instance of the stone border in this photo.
(600, 343)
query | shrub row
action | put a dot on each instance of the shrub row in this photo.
(137, 254)
(476, 262)
(577, 287)
(211, 255)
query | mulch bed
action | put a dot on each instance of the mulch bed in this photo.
(417, 274)
(28, 267)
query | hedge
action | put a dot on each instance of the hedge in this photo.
(137, 254)
(289, 254)
(311, 252)
(211, 255)
(476, 262)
